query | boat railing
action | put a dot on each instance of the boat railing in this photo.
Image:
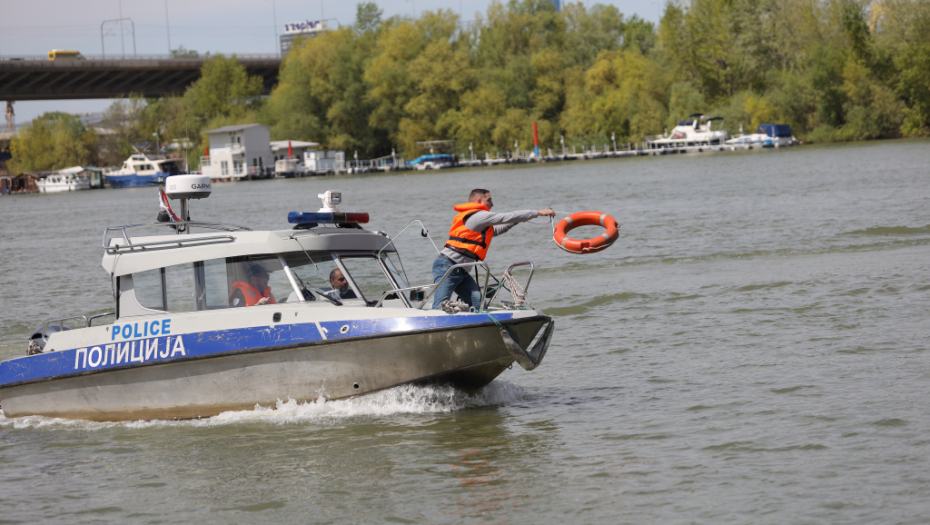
(487, 276)
(516, 290)
(179, 242)
(88, 321)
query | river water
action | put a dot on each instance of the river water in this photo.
(754, 349)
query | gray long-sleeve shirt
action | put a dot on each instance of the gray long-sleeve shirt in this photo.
(481, 220)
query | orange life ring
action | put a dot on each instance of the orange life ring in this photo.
(586, 218)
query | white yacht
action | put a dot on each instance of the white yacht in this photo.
(141, 169)
(694, 133)
(68, 179)
(233, 318)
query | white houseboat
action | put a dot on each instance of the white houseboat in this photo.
(289, 157)
(324, 161)
(238, 152)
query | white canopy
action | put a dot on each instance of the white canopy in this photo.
(281, 145)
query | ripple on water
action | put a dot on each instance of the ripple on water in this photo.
(890, 422)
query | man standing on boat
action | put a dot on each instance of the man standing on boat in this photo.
(469, 239)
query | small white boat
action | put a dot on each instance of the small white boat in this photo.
(197, 330)
(692, 134)
(68, 179)
(767, 136)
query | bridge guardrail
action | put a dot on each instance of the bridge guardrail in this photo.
(44, 58)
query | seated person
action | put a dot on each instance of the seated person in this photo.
(339, 282)
(254, 292)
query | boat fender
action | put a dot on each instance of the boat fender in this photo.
(586, 218)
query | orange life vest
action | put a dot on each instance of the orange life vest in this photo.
(251, 295)
(465, 241)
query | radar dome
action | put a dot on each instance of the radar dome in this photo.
(188, 186)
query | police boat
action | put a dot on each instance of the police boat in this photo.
(230, 318)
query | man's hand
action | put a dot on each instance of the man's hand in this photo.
(546, 213)
(263, 300)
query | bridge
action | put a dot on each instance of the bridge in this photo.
(37, 78)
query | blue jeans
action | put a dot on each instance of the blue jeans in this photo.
(458, 281)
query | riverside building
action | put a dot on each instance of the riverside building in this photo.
(305, 29)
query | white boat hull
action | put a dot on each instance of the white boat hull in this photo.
(61, 187)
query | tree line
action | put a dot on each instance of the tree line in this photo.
(835, 70)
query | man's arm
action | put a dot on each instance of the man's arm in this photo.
(502, 222)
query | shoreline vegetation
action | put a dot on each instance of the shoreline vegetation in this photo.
(834, 70)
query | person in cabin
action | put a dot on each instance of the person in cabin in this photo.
(254, 292)
(339, 282)
(469, 239)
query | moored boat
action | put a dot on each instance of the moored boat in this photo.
(68, 179)
(336, 318)
(694, 133)
(767, 136)
(142, 170)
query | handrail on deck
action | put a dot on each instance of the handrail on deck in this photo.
(90, 320)
(180, 241)
(504, 278)
(61, 322)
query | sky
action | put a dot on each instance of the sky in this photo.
(229, 26)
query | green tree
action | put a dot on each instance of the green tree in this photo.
(181, 52)
(52, 141)
(224, 89)
(321, 95)
(367, 18)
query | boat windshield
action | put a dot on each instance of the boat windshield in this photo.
(369, 276)
(318, 273)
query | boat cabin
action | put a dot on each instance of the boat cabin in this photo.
(326, 267)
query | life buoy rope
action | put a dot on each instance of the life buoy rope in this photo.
(586, 218)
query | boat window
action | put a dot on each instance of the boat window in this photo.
(213, 284)
(179, 287)
(148, 288)
(247, 278)
(368, 276)
(316, 271)
(173, 285)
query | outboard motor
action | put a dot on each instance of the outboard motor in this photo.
(37, 342)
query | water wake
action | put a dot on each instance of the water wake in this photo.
(401, 400)
(891, 231)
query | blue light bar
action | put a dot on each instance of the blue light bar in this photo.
(300, 217)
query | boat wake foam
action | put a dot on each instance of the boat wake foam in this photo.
(401, 400)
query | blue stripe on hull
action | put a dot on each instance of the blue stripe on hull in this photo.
(133, 181)
(154, 350)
